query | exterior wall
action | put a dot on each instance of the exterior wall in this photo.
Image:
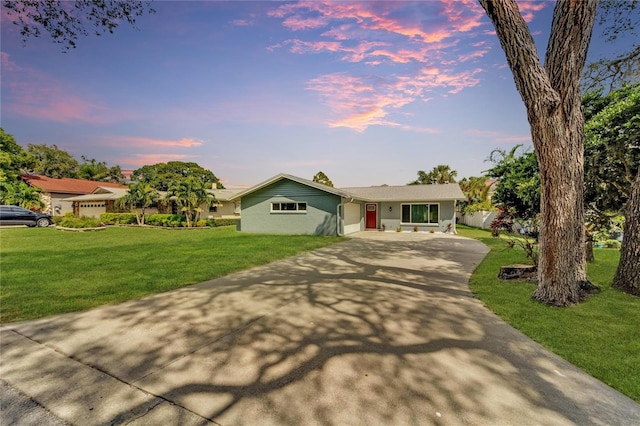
(319, 219)
(54, 200)
(224, 209)
(353, 217)
(391, 214)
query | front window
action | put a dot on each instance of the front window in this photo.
(420, 213)
(289, 207)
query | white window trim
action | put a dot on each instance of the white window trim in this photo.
(420, 223)
(297, 211)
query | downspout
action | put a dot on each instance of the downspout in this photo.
(339, 221)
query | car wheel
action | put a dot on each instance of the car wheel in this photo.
(42, 222)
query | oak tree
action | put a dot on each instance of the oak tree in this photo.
(551, 94)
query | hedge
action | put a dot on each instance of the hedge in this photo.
(70, 221)
(118, 218)
(167, 220)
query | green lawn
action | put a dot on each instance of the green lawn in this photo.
(44, 271)
(601, 335)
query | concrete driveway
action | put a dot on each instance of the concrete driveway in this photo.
(380, 329)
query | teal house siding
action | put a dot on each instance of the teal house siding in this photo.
(320, 218)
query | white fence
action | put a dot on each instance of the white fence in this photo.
(480, 219)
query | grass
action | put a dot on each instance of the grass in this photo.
(44, 271)
(600, 336)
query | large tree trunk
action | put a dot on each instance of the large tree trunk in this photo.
(551, 95)
(627, 276)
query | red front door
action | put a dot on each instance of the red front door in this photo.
(371, 219)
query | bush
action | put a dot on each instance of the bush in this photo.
(70, 221)
(219, 221)
(612, 244)
(166, 220)
(118, 218)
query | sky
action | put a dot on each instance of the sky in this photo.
(367, 92)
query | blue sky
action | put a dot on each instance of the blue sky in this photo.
(368, 92)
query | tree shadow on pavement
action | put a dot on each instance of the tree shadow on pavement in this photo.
(363, 332)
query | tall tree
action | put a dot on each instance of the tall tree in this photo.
(551, 94)
(190, 195)
(320, 177)
(52, 161)
(66, 21)
(14, 160)
(616, 17)
(440, 174)
(627, 276)
(518, 178)
(99, 171)
(162, 175)
(139, 197)
(612, 170)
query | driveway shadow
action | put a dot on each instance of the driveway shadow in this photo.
(375, 330)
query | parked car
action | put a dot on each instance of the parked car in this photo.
(14, 215)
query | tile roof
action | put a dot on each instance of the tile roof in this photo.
(67, 185)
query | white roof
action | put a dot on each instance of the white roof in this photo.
(442, 192)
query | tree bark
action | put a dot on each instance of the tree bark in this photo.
(552, 98)
(627, 276)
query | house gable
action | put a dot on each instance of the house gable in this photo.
(310, 210)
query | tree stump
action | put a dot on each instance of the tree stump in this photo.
(517, 272)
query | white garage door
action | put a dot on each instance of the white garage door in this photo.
(352, 218)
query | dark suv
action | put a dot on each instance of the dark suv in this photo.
(14, 215)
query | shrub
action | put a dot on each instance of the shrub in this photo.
(118, 218)
(612, 244)
(167, 220)
(219, 221)
(502, 222)
(201, 223)
(70, 221)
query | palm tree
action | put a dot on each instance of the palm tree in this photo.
(189, 194)
(139, 196)
(20, 194)
(439, 175)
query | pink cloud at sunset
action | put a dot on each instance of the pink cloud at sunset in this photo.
(498, 137)
(385, 34)
(139, 160)
(35, 95)
(142, 142)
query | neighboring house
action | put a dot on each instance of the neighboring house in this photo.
(55, 192)
(102, 200)
(288, 204)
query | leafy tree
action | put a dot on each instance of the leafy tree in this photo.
(612, 171)
(551, 94)
(518, 186)
(98, 171)
(162, 175)
(53, 162)
(190, 194)
(438, 175)
(476, 190)
(18, 193)
(612, 147)
(617, 17)
(66, 21)
(14, 160)
(139, 197)
(320, 177)
(627, 276)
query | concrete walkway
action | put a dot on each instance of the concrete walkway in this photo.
(381, 329)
